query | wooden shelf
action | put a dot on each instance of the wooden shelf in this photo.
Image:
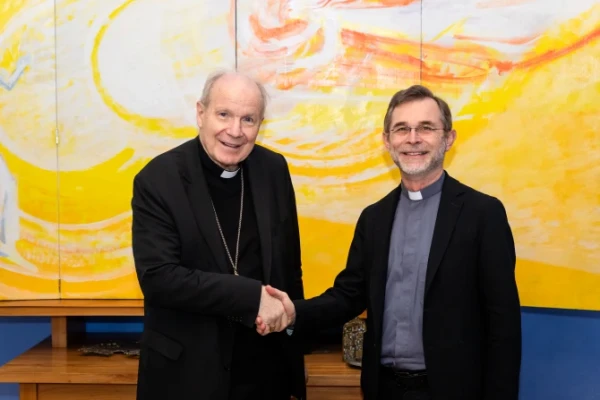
(66, 308)
(55, 370)
(46, 364)
(329, 369)
(50, 373)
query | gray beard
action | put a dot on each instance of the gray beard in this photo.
(436, 162)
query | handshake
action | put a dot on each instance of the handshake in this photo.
(276, 311)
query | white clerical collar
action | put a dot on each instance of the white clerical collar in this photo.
(414, 195)
(229, 174)
(425, 192)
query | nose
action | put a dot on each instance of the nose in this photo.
(235, 129)
(413, 136)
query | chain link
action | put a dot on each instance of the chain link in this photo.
(237, 245)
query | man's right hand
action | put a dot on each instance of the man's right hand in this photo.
(264, 325)
(271, 314)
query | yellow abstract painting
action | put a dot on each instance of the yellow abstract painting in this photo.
(29, 257)
(90, 91)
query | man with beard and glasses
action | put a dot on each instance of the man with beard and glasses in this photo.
(433, 263)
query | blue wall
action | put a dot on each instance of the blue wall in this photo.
(17, 335)
(561, 350)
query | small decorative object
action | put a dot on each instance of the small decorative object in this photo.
(352, 342)
(110, 348)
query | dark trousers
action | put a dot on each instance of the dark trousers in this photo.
(263, 383)
(398, 387)
(259, 371)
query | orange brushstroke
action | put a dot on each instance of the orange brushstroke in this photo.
(371, 44)
(275, 53)
(481, 59)
(557, 53)
(397, 2)
(288, 80)
(366, 58)
(312, 46)
(364, 3)
(290, 28)
(469, 61)
(465, 62)
(515, 41)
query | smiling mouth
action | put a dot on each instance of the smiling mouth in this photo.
(414, 153)
(231, 146)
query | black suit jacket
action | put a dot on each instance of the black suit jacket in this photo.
(191, 300)
(471, 317)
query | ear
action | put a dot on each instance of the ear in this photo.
(386, 140)
(450, 138)
(200, 113)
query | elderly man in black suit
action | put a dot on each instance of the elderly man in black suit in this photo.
(214, 221)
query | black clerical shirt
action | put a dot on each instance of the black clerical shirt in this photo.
(226, 194)
(254, 356)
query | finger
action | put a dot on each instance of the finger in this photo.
(280, 324)
(272, 291)
(278, 294)
(262, 329)
(263, 333)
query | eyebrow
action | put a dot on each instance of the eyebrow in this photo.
(426, 122)
(228, 111)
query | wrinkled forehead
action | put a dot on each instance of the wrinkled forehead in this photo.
(236, 92)
(417, 112)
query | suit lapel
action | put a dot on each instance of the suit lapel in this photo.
(382, 237)
(448, 211)
(259, 186)
(201, 204)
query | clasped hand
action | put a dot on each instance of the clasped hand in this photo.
(276, 311)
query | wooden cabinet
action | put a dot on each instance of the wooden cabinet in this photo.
(54, 369)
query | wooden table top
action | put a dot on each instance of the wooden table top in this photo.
(45, 364)
(329, 369)
(60, 308)
(76, 307)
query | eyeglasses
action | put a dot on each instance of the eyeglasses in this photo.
(421, 130)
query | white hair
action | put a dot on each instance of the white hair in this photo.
(215, 76)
